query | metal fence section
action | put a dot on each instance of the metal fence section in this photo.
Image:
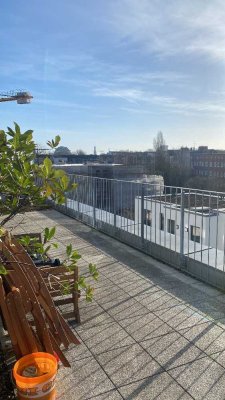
(181, 226)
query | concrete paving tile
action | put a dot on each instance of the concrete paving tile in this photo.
(90, 258)
(121, 272)
(219, 358)
(160, 387)
(192, 332)
(115, 270)
(220, 297)
(128, 309)
(113, 297)
(127, 364)
(158, 300)
(78, 352)
(182, 316)
(112, 395)
(116, 302)
(144, 327)
(127, 293)
(93, 317)
(211, 308)
(172, 350)
(106, 290)
(106, 262)
(188, 293)
(139, 286)
(166, 283)
(221, 323)
(208, 337)
(103, 284)
(85, 379)
(203, 379)
(105, 337)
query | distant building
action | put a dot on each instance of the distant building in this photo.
(203, 225)
(180, 157)
(146, 159)
(115, 186)
(67, 158)
(208, 162)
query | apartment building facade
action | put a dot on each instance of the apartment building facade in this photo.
(208, 162)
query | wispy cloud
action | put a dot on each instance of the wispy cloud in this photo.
(155, 77)
(143, 98)
(173, 27)
(130, 95)
(62, 103)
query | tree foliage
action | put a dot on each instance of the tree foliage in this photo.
(161, 156)
(23, 183)
(80, 152)
(159, 142)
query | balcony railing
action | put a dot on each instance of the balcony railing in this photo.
(182, 227)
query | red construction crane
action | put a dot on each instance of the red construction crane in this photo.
(20, 96)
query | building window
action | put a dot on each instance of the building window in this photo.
(161, 221)
(171, 226)
(195, 233)
(148, 217)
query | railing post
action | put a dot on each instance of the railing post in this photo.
(114, 202)
(142, 212)
(94, 201)
(182, 198)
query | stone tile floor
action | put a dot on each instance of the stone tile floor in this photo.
(151, 331)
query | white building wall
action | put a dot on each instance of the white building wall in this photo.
(212, 227)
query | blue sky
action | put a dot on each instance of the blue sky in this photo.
(112, 73)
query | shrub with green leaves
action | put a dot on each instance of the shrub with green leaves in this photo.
(24, 184)
(36, 248)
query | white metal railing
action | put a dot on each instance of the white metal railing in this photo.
(188, 222)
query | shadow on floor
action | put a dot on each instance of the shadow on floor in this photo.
(189, 290)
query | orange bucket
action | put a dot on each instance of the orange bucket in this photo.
(35, 376)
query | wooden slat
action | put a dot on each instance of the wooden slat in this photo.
(63, 301)
(39, 286)
(68, 315)
(24, 282)
(30, 339)
(52, 270)
(29, 302)
(17, 325)
(76, 295)
(8, 321)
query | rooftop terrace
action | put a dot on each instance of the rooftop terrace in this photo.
(151, 332)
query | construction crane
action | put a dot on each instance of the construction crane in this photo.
(21, 97)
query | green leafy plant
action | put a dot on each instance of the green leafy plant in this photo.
(24, 184)
(37, 248)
